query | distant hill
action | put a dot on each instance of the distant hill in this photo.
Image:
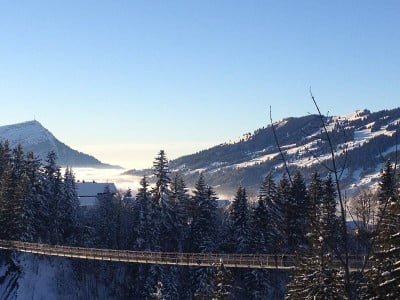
(368, 138)
(34, 137)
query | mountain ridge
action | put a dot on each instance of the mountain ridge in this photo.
(363, 141)
(33, 136)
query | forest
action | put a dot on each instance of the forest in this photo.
(39, 204)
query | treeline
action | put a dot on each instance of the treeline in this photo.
(286, 219)
(38, 204)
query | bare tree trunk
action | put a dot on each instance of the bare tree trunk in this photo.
(279, 148)
(341, 203)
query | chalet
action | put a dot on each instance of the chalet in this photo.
(88, 192)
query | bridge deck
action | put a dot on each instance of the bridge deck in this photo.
(256, 261)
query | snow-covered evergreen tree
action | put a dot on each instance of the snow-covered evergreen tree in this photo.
(329, 218)
(387, 184)
(257, 280)
(69, 206)
(202, 226)
(316, 277)
(181, 202)
(276, 233)
(168, 222)
(239, 215)
(223, 284)
(53, 195)
(310, 281)
(146, 239)
(315, 196)
(144, 224)
(5, 156)
(33, 200)
(240, 221)
(287, 206)
(202, 235)
(106, 220)
(384, 275)
(13, 190)
(161, 191)
(259, 226)
(10, 208)
(299, 208)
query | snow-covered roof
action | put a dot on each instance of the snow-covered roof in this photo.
(92, 189)
(88, 201)
(221, 203)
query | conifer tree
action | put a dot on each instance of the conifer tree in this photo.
(144, 224)
(287, 206)
(5, 156)
(18, 161)
(9, 209)
(180, 201)
(384, 276)
(145, 235)
(106, 220)
(387, 184)
(268, 194)
(316, 277)
(13, 189)
(240, 221)
(257, 280)
(300, 206)
(202, 235)
(69, 206)
(310, 281)
(52, 200)
(33, 200)
(202, 231)
(251, 280)
(315, 195)
(169, 223)
(223, 284)
(259, 226)
(161, 191)
(330, 221)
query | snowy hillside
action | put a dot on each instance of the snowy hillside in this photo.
(34, 137)
(36, 277)
(362, 140)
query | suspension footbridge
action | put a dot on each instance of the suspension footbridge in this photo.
(254, 261)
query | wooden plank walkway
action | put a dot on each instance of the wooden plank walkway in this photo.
(254, 261)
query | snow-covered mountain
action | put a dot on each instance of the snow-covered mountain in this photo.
(362, 140)
(34, 137)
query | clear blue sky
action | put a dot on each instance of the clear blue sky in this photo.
(121, 79)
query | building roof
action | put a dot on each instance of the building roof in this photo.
(222, 203)
(92, 189)
(88, 201)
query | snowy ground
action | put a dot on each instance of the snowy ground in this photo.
(48, 278)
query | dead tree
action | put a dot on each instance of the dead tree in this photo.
(336, 173)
